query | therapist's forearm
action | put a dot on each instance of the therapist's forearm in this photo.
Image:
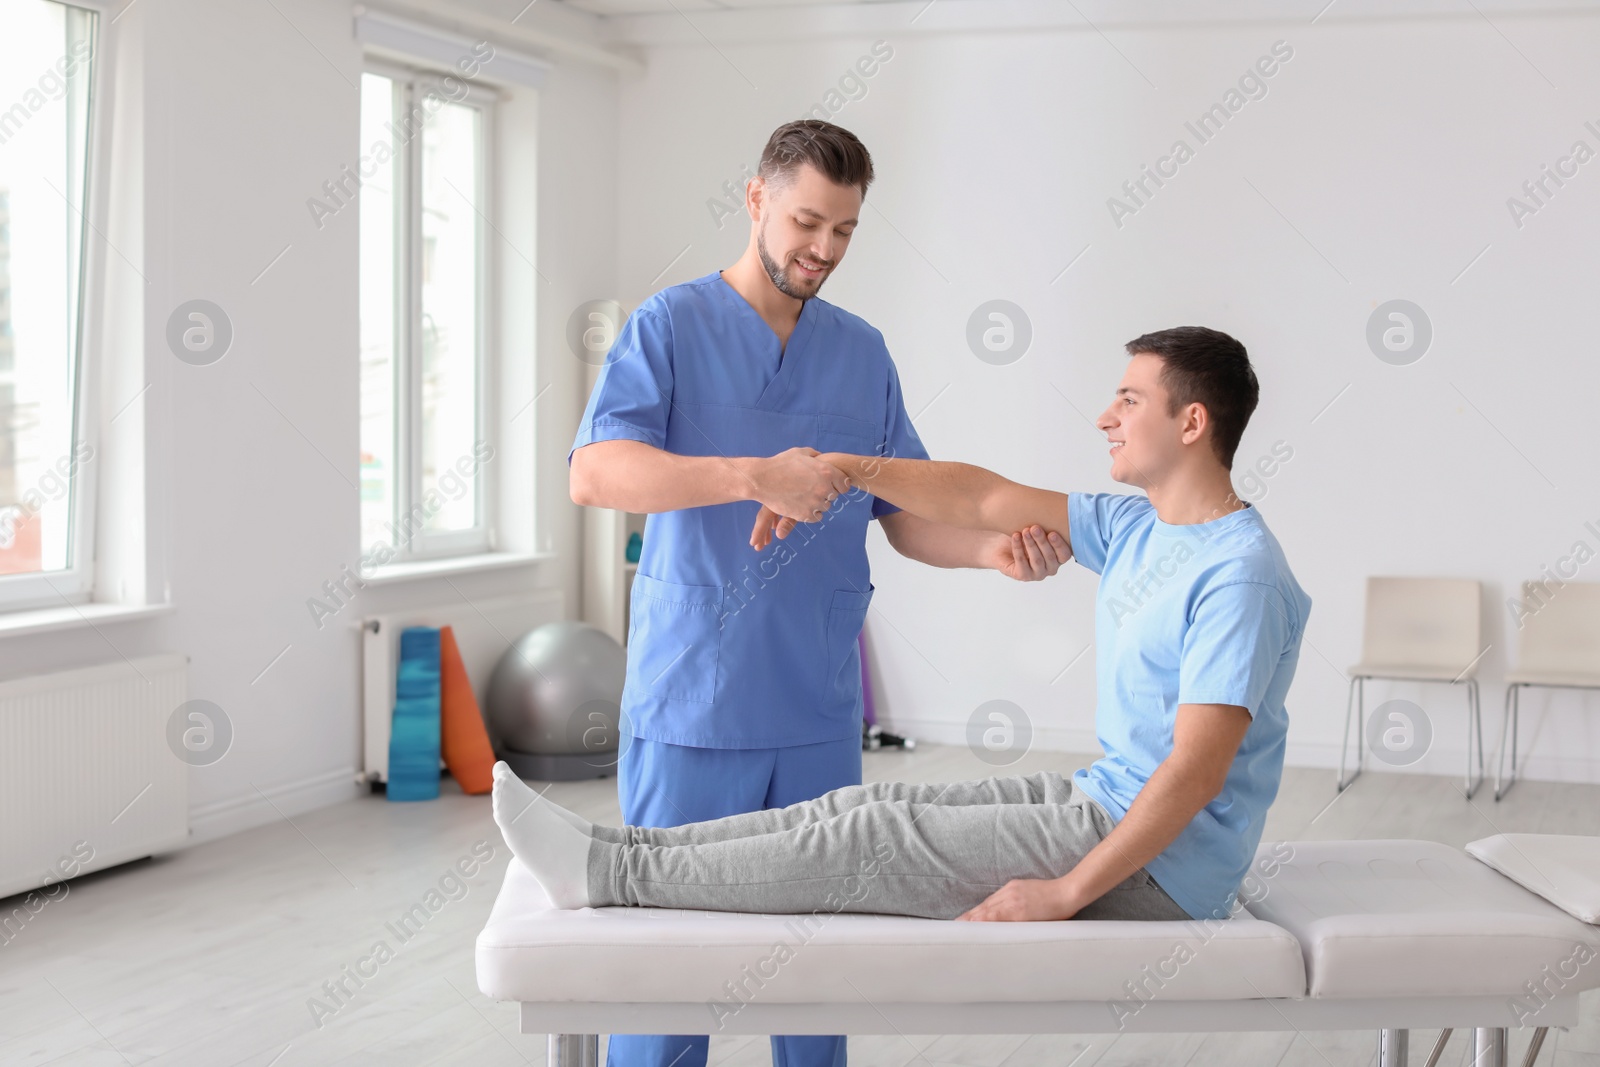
(633, 476)
(944, 546)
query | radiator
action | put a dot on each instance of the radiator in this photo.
(87, 779)
(483, 630)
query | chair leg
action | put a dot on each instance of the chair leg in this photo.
(1392, 1047)
(1357, 685)
(1502, 783)
(574, 1050)
(1477, 714)
(1474, 725)
(1489, 1047)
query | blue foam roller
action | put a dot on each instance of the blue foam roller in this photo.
(414, 732)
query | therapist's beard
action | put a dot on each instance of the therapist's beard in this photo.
(780, 279)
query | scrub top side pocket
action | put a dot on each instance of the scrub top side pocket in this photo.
(674, 639)
(846, 617)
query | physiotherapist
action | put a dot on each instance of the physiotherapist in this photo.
(743, 687)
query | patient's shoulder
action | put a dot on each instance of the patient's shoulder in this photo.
(1256, 561)
(1116, 514)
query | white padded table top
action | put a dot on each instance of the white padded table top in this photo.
(1562, 868)
(1417, 918)
(530, 952)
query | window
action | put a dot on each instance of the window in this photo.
(46, 82)
(423, 286)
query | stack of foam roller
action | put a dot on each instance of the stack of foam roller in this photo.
(414, 735)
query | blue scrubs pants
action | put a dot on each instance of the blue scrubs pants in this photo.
(668, 785)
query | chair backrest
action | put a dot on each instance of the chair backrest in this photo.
(1560, 630)
(1423, 622)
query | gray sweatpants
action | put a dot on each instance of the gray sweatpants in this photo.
(888, 848)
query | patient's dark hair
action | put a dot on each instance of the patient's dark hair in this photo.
(833, 150)
(1207, 367)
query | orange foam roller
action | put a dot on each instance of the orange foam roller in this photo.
(463, 739)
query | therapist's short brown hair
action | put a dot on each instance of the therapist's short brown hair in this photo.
(1206, 367)
(836, 152)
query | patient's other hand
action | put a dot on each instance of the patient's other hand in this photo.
(1025, 900)
(1030, 555)
(769, 522)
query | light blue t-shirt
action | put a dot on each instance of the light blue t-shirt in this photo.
(729, 647)
(1207, 613)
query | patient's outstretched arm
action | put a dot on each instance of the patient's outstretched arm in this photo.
(956, 494)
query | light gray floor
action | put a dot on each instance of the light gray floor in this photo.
(210, 956)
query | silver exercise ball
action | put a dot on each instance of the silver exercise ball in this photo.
(554, 702)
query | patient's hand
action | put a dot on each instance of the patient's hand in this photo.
(769, 522)
(1025, 900)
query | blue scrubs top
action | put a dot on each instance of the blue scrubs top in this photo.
(728, 647)
(1207, 613)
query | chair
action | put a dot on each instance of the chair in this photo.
(1419, 630)
(1558, 647)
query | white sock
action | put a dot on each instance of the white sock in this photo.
(572, 818)
(553, 850)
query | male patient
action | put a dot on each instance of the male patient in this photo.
(1198, 623)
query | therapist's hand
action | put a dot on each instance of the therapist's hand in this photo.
(796, 483)
(1030, 555)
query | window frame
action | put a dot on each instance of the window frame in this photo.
(412, 83)
(74, 585)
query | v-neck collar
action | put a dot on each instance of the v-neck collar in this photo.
(788, 353)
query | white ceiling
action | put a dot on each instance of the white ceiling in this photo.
(606, 29)
(966, 12)
(670, 7)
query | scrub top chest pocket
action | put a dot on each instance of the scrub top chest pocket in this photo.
(674, 639)
(841, 433)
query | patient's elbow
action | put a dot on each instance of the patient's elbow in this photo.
(991, 506)
(1200, 785)
(983, 513)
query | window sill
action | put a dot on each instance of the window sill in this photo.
(38, 621)
(433, 568)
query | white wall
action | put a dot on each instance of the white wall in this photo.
(1390, 146)
(246, 111)
(1377, 167)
